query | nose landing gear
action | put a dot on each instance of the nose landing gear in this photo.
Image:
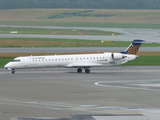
(13, 71)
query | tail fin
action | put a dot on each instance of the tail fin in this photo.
(133, 47)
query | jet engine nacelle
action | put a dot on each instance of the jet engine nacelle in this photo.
(117, 56)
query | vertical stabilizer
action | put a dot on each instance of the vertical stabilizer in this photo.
(133, 47)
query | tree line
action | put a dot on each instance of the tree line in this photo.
(80, 4)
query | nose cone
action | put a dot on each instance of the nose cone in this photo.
(8, 65)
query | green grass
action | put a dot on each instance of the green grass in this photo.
(82, 24)
(7, 30)
(4, 61)
(114, 18)
(142, 60)
(145, 60)
(67, 43)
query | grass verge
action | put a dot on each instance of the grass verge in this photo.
(145, 60)
(4, 61)
(7, 30)
(83, 24)
(120, 18)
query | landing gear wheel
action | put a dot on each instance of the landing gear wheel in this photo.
(79, 70)
(13, 71)
(87, 70)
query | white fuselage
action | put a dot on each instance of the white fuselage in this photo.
(70, 61)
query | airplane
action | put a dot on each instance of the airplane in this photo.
(79, 61)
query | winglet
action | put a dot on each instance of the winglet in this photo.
(134, 47)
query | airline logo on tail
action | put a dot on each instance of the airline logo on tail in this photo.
(134, 47)
(133, 50)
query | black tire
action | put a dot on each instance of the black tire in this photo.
(13, 71)
(79, 70)
(87, 70)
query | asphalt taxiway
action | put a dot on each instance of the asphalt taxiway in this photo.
(61, 92)
(72, 49)
(122, 92)
(128, 34)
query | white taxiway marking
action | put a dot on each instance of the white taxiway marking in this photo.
(147, 85)
(104, 84)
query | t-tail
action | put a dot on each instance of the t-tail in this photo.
(133, 47)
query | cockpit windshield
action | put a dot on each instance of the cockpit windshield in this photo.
(16, 60)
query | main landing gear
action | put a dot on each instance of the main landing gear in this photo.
(79, 70)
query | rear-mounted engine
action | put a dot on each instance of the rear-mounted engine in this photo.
(117, 56)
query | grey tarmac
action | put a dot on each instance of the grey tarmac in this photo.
(128, 34)
(73, 49)
(61, 92)
(119, 92)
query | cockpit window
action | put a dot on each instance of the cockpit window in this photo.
(16, 60)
